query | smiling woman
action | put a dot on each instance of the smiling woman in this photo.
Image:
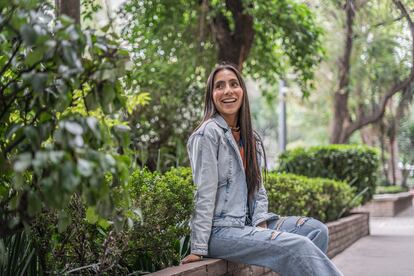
(231, 220)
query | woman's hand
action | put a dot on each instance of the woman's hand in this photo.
(192, 258)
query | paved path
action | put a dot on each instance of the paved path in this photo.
(388, 251)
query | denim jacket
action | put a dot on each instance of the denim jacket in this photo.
(221, 195)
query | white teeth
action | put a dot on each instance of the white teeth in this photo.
(229, 101)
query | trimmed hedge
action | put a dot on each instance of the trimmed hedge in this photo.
(356, 165)
(320, 198)
(166, 203)
(390, 189)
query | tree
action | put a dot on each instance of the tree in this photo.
(60, 88)
(344, 123)
(70, 8)
(178, 42)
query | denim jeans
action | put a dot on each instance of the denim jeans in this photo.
(289, 246)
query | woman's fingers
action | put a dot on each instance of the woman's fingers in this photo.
(191, 258)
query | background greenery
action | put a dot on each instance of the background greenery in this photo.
(356, 165)
(320, 198)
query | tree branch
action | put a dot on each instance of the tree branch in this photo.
(390, 21)
(377, 114)
(16, 142)
(19, 43)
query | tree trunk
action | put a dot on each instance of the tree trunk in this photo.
(369, 136)
(70, 8)
(233, 45)
(392, 166)
(383, 159)
(404, 173)
(341, 113)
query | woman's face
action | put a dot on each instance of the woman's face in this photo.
(227, 93)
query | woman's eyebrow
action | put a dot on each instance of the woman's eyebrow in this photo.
(219, 81)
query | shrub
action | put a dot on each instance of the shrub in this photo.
(166, 202)
(390, 189)
(58, 84)
(319, 198)
(356, 165)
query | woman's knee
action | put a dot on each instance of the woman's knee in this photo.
(324, 230)
(320, 235)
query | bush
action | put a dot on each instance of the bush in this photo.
(356, 165)
(390, 189)
(166, 202)
(59, 86)
(323, 199)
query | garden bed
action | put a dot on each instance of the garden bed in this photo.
(342, 233)
(387, 205)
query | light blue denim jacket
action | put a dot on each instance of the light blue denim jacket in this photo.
(221, 195)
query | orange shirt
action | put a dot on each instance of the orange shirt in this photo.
(236, 135)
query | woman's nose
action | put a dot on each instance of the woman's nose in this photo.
(227, 89)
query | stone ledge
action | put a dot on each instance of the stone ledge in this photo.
(342, 233)
(214, 267)
(387, 205)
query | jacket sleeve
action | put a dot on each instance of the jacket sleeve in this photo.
(202, 151)
(260, 204)
(260, 213)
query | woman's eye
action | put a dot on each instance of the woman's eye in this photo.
(235, 84)
(219, 86)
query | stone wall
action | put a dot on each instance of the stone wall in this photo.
(342, 233)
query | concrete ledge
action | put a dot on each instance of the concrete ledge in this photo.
(342, 233)
(387, 205)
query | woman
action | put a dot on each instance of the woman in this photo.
(230, 220)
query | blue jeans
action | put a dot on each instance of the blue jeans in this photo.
(289, 246)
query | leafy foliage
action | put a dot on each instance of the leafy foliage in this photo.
(54, 77)
(18, 255)
(287, 39)
(94, 247)
(173, 42)
(356, 165)
(320, 198)
(390, 189)
(166, 202)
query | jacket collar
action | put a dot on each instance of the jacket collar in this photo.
(220, 121)
(223, 124)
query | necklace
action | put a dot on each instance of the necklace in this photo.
(235, 129)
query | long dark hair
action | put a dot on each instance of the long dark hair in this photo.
(249, 137)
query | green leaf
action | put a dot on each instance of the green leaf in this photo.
(73, 127)
(92, 101)
(91, 215)
(39, 81)
(85, 167)
(28, 34)
(34, 56)
(104, 224)
(23, 162)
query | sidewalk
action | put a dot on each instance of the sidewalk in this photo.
(389, 250)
